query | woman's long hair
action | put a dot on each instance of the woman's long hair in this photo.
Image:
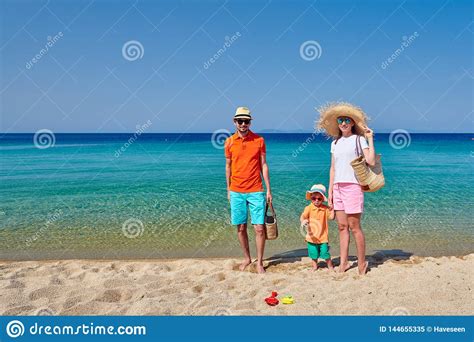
(353, 130)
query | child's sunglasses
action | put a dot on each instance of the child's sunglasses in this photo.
(340, 121)
(242, 121)
(316, 198)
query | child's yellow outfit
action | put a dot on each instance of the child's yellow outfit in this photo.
(317, 236)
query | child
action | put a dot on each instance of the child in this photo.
(315, 218)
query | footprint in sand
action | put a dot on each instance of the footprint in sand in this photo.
(247, 305)
(45, 292)
(89, 308)
(278, 281)
(220, 276)
(162, 268)
(19, 310)
(73, 301)
(109, 296)
(197, 289)
(153, 294)
(114, 296)
(253, 293)
(56, 281)
(112, 283)
(154, 285)
(216, 277)
(17, 275)
(15, 284)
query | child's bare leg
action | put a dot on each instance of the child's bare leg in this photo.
(314, 264)
(330, 264)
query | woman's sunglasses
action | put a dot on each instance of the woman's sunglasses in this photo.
(242, 121)
(340, 121)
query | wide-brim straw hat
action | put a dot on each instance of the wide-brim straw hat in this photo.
(329, 113)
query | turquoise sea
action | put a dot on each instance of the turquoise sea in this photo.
(163, 195)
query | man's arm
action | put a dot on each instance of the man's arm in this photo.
(228, 163)
(266, 176)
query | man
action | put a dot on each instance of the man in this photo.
(246, 163)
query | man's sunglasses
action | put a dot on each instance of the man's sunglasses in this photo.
(340, 121)
(314, 198)
(242, 121)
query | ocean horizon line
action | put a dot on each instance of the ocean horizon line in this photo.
(256, 131)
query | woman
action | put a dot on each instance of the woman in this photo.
(346, 123)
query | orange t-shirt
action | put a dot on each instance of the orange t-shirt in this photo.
(318, 223)
(246, 167)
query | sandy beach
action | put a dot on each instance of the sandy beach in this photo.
(411, 286)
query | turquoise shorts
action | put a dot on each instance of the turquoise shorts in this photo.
(254, 201)
(318, 250)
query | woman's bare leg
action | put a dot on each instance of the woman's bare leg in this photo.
(355, 227)
(344, 239)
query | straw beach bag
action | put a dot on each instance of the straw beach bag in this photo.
(271, 229)
(371, 178)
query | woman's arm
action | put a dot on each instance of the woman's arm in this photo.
(332, 215)
(369, 153)
(331, 181)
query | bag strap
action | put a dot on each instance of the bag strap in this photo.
(358, 146)
(271, 208)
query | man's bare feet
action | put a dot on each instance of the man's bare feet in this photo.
(343, 268)
(363, 270)
(260, 269)
(244, 264)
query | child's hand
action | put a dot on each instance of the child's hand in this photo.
(304, 223)
(330, 202)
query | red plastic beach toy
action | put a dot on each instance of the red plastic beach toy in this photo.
(272, 300)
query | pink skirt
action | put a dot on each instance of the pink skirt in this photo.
(348, 197)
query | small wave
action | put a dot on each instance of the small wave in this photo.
(29, 147)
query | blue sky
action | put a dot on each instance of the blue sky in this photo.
(83, 83)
